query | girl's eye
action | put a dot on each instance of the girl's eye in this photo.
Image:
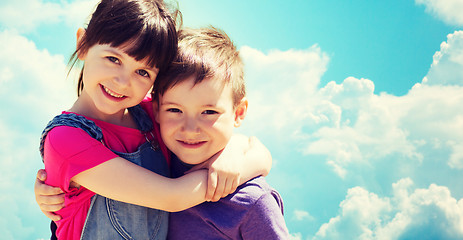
(174, 110)
(143, 73)
(210, 112)
(113, 59)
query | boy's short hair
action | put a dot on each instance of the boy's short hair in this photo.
(204, 53)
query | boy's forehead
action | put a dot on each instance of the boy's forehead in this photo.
(210, 88)
(212, 84)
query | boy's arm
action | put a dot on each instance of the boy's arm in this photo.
(48, 198)
(242, 159)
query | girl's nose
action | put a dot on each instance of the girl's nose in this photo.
(123, 79)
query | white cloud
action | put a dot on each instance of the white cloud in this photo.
(456, 158)
(448, 11)
(33, 89)
(282, 87)
(36, 81)
(446, 68)
(347, 122)
(408, 214)
(295, 236)
(301, 215)
(27, 15)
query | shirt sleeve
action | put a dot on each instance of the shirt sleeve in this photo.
(265, 219)
(69, 151)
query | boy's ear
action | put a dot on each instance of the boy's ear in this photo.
(79, 36)
(240, 111)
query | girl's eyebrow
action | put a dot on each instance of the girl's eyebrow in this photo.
(112, 51)
(120, 55)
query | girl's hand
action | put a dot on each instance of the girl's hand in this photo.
(49, 199)
(225, 170)
(241, 160)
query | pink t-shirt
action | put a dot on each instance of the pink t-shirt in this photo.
(69, 151)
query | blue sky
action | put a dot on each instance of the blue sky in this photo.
(358, 101)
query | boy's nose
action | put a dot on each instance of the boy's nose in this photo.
(190, 125)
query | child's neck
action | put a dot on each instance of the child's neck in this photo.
(122, 118)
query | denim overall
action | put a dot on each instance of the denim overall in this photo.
(110, 219)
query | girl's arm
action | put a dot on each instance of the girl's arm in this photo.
(124, 181)
(244, 154)
(81, 160)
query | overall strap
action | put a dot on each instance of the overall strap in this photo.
(71, 120)
(141, 118)
(145, 124)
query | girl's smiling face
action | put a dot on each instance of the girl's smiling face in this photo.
(197, 121)
(113, 81)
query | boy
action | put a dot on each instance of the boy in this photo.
(200, 100)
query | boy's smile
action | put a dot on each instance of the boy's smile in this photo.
(197, 121)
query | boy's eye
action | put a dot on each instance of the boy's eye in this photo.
(113, 59)
(174, 110)
(210, 112)
(143, 73)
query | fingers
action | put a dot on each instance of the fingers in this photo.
(211, 185)
(52, 216)
(42, 175)
(50, 200)
(40, 188)
(51, 207)
(219, 190)
(233, 186)
(221, 186)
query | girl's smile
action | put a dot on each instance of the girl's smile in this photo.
(112, 94)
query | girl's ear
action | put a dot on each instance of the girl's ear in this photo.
(79, 36)
(240, 111)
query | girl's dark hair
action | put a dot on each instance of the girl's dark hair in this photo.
(146, 27)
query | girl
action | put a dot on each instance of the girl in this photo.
(126, 45)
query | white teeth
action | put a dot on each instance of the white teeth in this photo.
(108, 91)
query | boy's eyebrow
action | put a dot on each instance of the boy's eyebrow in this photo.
(173, 103)
(168, 103)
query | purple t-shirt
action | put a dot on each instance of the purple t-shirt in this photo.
(253, 211)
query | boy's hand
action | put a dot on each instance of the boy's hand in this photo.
(49, 199)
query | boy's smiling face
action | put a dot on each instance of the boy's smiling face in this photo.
(197, 121)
